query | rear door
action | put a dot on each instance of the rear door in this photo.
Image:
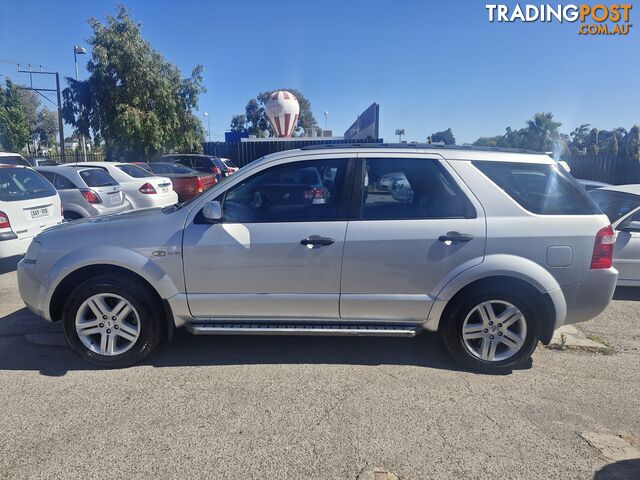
(406, 236)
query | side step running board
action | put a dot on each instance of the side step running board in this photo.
(266, 329)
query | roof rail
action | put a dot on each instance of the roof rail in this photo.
(419, 145)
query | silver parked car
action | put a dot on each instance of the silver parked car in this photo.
(621, 203)
(85, 192)
(493, 249)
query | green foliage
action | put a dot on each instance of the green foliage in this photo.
(134, 100)
(592, 142)
(256, 122)
(541, 134)
(632, 144)
(445, 136)
(14, 124)
(47, 127)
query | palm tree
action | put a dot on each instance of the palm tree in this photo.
(542, 132)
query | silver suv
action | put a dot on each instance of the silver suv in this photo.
(492, 249)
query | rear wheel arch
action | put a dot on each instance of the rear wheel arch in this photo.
(542, 301)
(77, 277)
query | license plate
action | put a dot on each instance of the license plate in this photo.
(114, 199)
(39, 212)
(165, 189)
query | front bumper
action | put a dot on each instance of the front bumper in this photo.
(32, 292)
(589, 298)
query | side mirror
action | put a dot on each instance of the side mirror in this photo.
(212, 212)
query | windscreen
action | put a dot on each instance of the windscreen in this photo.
(96, 177)
(23, 184)
(615, 205)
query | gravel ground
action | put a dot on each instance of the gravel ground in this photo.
(311, 408)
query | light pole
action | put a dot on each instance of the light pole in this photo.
(326, 115)
(206, 114)
(77, 50)
(400, 133)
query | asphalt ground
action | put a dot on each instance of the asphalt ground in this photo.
(312, 407)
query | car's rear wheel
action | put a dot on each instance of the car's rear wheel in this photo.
(492, 331)
(110, 322)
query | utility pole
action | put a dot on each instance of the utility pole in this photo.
(80, 51)
(206, 114)
(400, 133)
(59, 104)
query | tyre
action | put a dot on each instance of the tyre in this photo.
(110, 321)
(493, 330)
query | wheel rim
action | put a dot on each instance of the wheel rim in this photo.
(494, 331)
(107, 324)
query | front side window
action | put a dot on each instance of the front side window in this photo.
(308, 191)
(411, 188)
(544, 189)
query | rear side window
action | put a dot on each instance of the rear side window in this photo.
(96, 177)
(544, 189)
(135, 171)
(411, 189)
(18, 184)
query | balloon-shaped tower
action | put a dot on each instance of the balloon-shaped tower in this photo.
(283, 110)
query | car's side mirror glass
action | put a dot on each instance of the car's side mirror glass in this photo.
(212, 212)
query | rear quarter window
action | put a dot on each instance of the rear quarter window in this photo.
(543, 189)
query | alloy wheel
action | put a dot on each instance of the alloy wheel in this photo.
(107, 324)
(494, 330)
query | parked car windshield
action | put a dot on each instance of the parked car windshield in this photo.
(135, 171)
(23, 184)
(14, 160)
(96, 177)
(164, 168)
(615, 205)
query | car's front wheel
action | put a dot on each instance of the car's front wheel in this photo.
(492, 331)
(110, 322)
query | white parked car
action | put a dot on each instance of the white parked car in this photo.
(621, 203)
(494, 250)
(28, 205)
(142, 188)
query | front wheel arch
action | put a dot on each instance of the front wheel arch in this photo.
(75, 278)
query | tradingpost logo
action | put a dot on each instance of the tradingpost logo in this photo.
(598, 19)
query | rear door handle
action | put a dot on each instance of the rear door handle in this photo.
(317, 241)
(455, 237)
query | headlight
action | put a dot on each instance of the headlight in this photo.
(32, 252)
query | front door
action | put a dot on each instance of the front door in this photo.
(413, 225)
(277, 252)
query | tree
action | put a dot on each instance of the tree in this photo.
(445, 136)
(239, 123)
(134, 100)
(14, 125)
(632, 145)
(47, 127)
(488, 141)
(541, 133)
(592, 142)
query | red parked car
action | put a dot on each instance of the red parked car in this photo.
(186, 182)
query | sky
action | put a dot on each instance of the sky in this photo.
(430, 65)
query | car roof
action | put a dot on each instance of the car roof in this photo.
(633, 189)
(449, 152)
(9, 154)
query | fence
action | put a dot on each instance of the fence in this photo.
(242, 153)
(71, 157)
(609, 168)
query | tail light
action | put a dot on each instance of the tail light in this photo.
(199, 185)
(314, 194)
(216, 171)
(4, 220)
(603, 248)
(90, 196)
(147, 189)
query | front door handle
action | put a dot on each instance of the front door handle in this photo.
(317, 241)
(455, 237)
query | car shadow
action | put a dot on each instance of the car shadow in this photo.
(31, 344)
(9, 264)
(623, 470)
(627, 293)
